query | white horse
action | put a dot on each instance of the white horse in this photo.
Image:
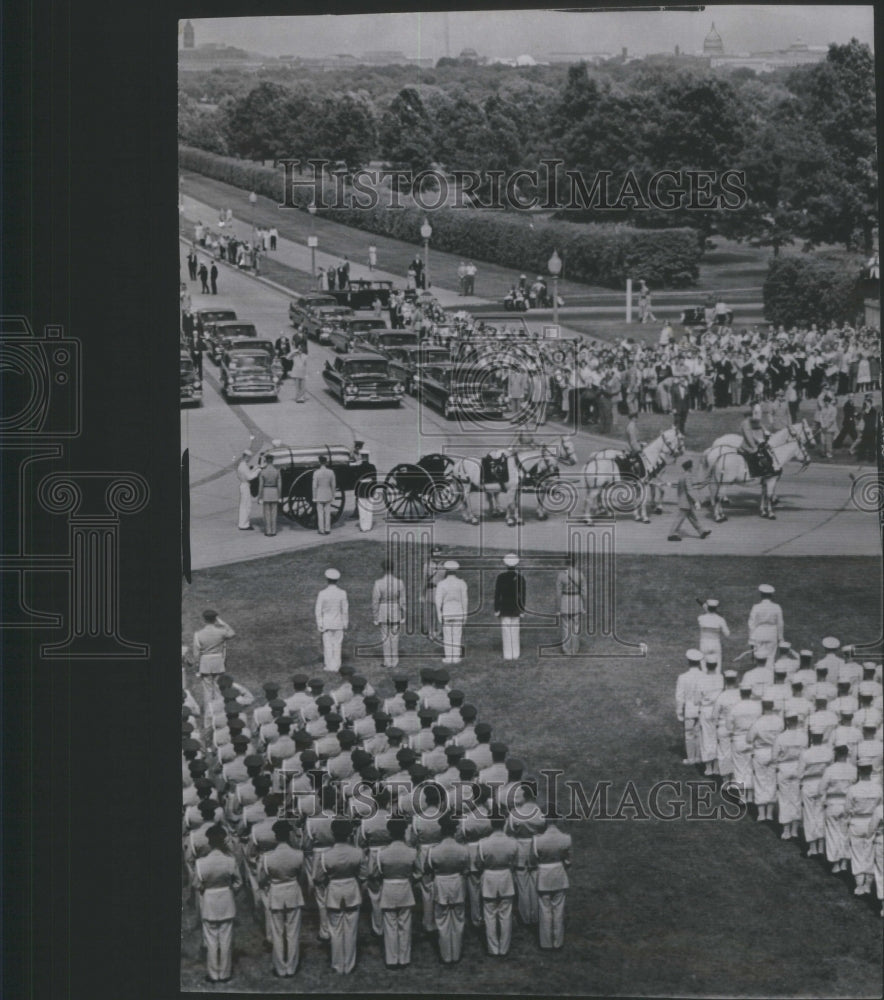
(518, 469)
(723, 464)
(606, 482)
(735, 442)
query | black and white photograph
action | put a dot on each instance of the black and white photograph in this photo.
(516, 535)
(530, 410)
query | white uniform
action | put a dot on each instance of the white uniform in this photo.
(245, 474)
(451, 607)
(766, 628)
(712, 628)
(331, 619)
(688, 712)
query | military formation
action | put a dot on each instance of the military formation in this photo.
(334, 797)
(798, 737)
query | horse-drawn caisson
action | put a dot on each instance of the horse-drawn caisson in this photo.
(297, 465)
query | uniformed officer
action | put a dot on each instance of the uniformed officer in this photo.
(278, 873)
(297, 703)
(496, 858)
(766, 624)
(332, 619)
(341, 870)
(394, 705)
(509, 605)
(396, 866)
(409, 720)
(860, 802)
(447, 864)
(435, 694)
(433, 575)
(760, 738)
(836, 779)
(831, 660)
(712, 629)
(523, 823)
(481, 754)
(812, 763)
(262, 714)
(451, 608)
(727, 698)
(270, 493)
(449, 715)
(710, 684)
(474, 823)
(786, 757)
(210, 654)
(571, 594)
(245, 473)
(550, 858)
(687, 709)
(786, 658)
(216, 879)
(388, 611)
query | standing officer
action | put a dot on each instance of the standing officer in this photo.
(712, 628)
(451, 607)
(216, 878)
(269, 494)
(687, 705)
(766, 625)
(245, 473)
(496, 857)
(572, 591)
(339, 870)
(448, 863)
(395, 866)
(210, 654)
(388, 611)
(324, 486)
(433, 575)
(278, 873)
(332, 619)
(509, 605)
(550, 857)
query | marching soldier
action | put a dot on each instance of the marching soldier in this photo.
(509, 605)
(740, 719)
(709, 686)
(760, 738)
(571, 592)
(836, 779)
(860, 803)
(332, 619)
(727, 698)
(451, 608)
(786, 757)
(687, 705)
(712, 628)
(811, 766)
(388, 611)
(216, 878)
(766, 624)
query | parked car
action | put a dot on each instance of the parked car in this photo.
(249, 373)
(202, 317)
(300, 305)
(321, 320)
(354, 333)
(455, 389)
(406, 361)
(363, 292)
(217, 333)
(381, 340)
(189, 380)
(362, 378)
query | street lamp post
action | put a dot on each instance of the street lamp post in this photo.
(312, 241)
(253, 200)
(426, 233)
(555, 269)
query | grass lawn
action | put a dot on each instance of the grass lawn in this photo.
(655, 908)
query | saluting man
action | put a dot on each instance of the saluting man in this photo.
(766, 625)
(388, 611)
(451, 608)
(571, 592)
(509, 605)
(245, 473)
(332, 618)
(210, 655)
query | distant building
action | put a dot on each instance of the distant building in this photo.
(385, 57)
(469, 55)
(713, 45)
(799, 53)
(592, 58)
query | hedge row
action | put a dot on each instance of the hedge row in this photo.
(597, 254)
(805, 290)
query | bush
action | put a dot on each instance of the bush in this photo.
(594, 253)
(812, 289)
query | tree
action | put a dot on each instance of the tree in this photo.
(406, 133)
(256, 124)
(805, 289)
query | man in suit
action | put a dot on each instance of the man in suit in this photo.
(571, 592)
(388, 611)
(509, 605)
(332, 619)
(324, 487)
(278, 873)
(204, 278)
(213, 277)
(687, 505)
(216, 878)
(451, 608)
(210, 654)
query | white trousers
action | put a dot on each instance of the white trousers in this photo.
(452, 634)
(498, 914)
(218, 937)
(366, 515)
(323, 516)
(509, 632)
(551, 907)
(285, 936)
(245, 505)
(332, 640)
(390, 642)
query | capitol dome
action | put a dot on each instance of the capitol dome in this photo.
(713, 44)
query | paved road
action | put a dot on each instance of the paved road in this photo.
(816, 515)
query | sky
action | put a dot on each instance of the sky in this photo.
(497, 33)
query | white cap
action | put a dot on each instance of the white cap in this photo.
(712, 603)
(766, 588)
(511, 560)
(830, 642)
(276, 443)
(450, 564)
(694, 656)
(332, 574)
